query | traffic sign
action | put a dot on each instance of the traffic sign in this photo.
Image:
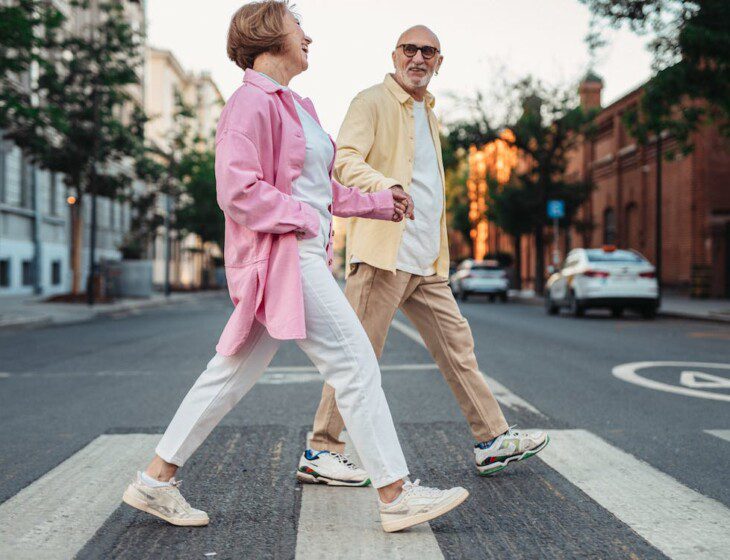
(556, 209)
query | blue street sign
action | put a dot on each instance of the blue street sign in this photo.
(556, 209)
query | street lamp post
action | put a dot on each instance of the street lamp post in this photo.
(658, 211)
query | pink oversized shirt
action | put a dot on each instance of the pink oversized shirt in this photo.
(260, 151)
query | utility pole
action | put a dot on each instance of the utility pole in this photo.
(658, 211)
(168, 243)
(93, 176)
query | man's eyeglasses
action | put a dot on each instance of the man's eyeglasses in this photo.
(410, 50)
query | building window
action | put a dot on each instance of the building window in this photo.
(53, 195)
(632, 226)
(56, 273)
(4, 273)
(27, 273)
(609, 227)
(2, 168)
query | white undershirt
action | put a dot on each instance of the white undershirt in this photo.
(421, 242)
(313, 186)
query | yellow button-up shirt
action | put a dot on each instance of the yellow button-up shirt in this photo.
(375, 150)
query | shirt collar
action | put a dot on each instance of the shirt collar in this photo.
(269, 84)
(402, 95)
(261, 81)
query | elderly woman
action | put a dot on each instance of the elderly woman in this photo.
(275, 187)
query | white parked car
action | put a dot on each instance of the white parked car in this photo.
(609, 278)
(480, 277)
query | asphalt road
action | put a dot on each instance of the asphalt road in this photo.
(61, 388)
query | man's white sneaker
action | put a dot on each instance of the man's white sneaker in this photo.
(418, 504)
(333, 469)
(494, 456)
(165, 502)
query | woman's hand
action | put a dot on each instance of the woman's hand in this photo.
(402, 204)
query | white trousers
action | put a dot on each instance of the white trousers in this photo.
(338, 347)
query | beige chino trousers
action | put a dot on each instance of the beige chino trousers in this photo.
(427, 301)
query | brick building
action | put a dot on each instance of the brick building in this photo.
(621, 211)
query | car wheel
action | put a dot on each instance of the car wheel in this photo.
(492, 299)
(503, 297)
(648, 312)
(550, 307)
(577, 309)
(617, 312)
(463, 295)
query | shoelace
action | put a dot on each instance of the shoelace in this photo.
(415, 488)
(344, 460)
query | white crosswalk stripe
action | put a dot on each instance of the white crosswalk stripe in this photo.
(345, 522)
(56, 515)
(722, 434)
(673, 518)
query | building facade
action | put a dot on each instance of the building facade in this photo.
(621, 211)
(35, 217)
(166, 79)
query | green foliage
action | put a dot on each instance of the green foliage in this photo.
(548, 126)
(198, 211)
(691, 48)
(65, 110)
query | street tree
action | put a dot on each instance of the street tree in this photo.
(691, 58)
(546, 124)
(72, 115)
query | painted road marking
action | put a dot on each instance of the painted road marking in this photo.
(701, 380)
(722, 434)
(673, 518)
(345, 523)
(628, 373)
(395, 367)
(57, 514)
(501, 393)
(308, 374)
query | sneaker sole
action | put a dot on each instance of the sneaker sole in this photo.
(494, 468)
(308, 478)
(401, 524)
(142, 506)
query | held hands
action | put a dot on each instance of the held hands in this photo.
(402, 204)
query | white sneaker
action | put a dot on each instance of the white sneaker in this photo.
(333, 469)
(418, 504)
(165, 502)
(512, 446)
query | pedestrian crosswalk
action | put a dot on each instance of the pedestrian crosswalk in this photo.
(54, 517)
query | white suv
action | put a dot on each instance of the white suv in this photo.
(610, 278)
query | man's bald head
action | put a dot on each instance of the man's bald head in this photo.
(419, 35)
(414, 71)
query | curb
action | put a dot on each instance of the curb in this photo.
(711, 318)
(694, 317)
(48, 320)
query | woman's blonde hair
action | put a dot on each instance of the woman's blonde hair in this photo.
(257, 28)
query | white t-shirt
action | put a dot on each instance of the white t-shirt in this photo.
(421, 240)
(313, 186)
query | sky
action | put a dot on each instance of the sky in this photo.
(483, 42)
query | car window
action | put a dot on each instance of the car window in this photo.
(618, 256)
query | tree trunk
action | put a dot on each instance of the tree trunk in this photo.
(518, 262)
(539, 260)
(77, 238)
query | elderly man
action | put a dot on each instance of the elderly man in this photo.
(390, 140)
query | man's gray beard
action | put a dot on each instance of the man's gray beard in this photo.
(423, 82)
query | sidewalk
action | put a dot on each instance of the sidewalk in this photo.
(18, 312)
(673, 305)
